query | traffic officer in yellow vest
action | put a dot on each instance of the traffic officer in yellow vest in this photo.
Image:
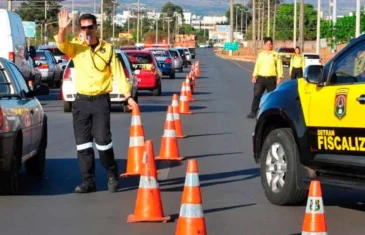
(267, 74)
(297, 65)
(95, 65)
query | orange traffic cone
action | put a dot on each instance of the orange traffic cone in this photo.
(148, 206)
(184, 103)
(136, 145)
(188, 90)
(175, 102)
(191, 219)
(197, 69)
(314, 219)
(192, 77)
(169, 146)
(177, 120)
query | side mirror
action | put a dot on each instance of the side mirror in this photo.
(313, 74)
(32, 51)
(60, 61)
(63, 67)
(41, 90)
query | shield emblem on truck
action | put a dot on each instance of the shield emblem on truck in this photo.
(341, 103)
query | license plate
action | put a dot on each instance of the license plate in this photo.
(287, 56)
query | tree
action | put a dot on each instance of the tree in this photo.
(34, 10)
(285, 22)
(239, 15)
(174, 12)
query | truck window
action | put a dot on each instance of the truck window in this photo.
(4, 88)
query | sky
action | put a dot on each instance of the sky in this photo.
(199, 7)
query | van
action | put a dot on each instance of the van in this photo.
(13, 42)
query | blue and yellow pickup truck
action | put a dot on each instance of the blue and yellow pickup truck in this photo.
(314, 128)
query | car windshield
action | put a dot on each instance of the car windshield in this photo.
(312, 56)
(182, 53)
(173, 53)
(40, 56)
(55, 51)
(159, 52)
(287, 50)
(140, 58)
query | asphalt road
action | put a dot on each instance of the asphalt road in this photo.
(219, 138)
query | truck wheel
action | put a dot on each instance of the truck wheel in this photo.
(67, 106)
(35, 165)
(9, 178)
(278, 176)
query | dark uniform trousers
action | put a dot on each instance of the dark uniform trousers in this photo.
(296, 73)
(262, 84)
(91, 118)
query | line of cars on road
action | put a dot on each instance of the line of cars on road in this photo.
(144, 69)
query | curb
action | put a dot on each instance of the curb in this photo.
(238, 59)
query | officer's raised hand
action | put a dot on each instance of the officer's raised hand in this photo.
(63, 19)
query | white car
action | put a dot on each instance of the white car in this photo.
(311, 59)
(69, 91)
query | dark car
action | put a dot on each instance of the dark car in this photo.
(165, 59)
(183, 56)
(192, 52)
(23, 127)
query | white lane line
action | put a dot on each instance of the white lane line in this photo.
(244, 68)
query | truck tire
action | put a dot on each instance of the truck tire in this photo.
(9, 178)
(35, 166)
(278, 176)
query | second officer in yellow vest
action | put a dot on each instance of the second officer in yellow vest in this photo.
(297, 64)
(267, 74)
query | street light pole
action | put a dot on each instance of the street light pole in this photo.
(318, 25)
(101, 19)
(113, 21)
(45, 22)
(73, 18)
(268, 18)
(241, 10)
(138, 9)
(156, 28)
(10, 5)
(236, 18)
(254, 26)
(357, 18)
(295, 25)
(231, 21)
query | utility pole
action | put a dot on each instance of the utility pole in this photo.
(45, 22)
(357, 32)
(73, 18)
(138, 9)
(295, 25)
(268, 18)
(274, 23)
(156, 28)
(236, 18)
(318, 25)
(334, 20)
(113, 22)
(301, 25)
(168, 31)
(128, 28)
(254, 26)
(101, 19)
(10, 7)
(94, 7)
(231, 21)
(241, 10)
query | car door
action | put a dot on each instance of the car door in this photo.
(57, 67)
(336, 112)
(32, 126)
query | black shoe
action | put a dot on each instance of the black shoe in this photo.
(251, 116)
(85, 188)
(113, 184)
